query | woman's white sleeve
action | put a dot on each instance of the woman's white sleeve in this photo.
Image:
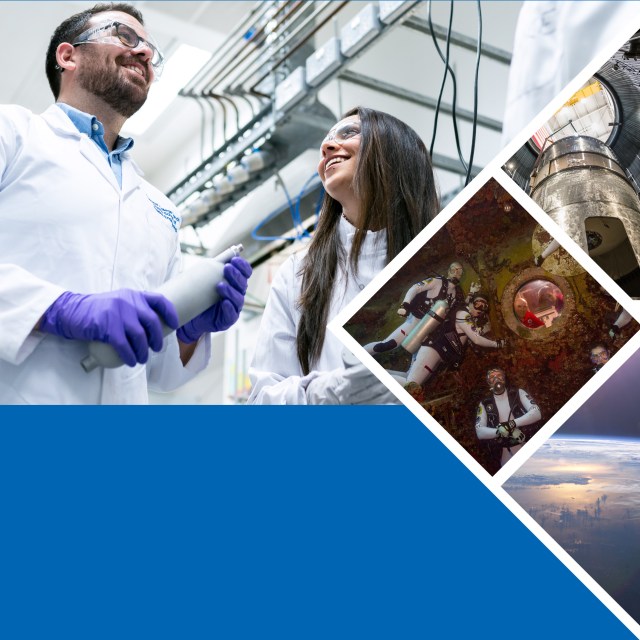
(275, 373)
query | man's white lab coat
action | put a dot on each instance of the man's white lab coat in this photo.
(66, 225)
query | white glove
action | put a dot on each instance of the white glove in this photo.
(353, 385)
(474, 287)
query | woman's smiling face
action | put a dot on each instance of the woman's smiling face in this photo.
(338, 158)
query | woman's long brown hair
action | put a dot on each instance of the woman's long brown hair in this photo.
(395, 184)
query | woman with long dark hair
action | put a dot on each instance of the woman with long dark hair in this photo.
(380, 193)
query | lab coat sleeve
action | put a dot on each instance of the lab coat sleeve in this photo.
(10, 138)
(23, 300)
(553, 42)
(165, 371)
(275, 373)
(532, 414)
(23, 296)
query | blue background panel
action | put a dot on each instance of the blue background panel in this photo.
(259, 522)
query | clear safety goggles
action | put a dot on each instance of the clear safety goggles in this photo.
(599, 357)
(343, 133)
(121, 35)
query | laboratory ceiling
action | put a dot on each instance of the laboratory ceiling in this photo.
(400, 73)
(25, 29)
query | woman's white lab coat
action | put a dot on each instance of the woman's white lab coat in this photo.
(275, 372)
(67, 226)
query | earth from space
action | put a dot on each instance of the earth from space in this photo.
(584, 491)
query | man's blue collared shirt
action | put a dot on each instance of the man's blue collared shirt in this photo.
(93, 128)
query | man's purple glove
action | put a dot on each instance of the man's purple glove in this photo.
(226, 311)
(130, 321)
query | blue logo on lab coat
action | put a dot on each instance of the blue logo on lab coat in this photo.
(167, 215)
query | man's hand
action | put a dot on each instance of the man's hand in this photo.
(130, 321)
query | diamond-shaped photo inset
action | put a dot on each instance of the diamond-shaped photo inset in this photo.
(582, 167)
(490, 344)
(582, 486)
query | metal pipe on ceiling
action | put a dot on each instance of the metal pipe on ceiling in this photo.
(254, 50)
(459, 39)
(411, 96)
(232, 39)
(242, 50)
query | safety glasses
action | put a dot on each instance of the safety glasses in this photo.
(343, 133)
(122, 35)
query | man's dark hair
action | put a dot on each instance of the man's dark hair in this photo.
(71, 28)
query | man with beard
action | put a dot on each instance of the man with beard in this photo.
(85, 240)
(419, 302)
(508, 417)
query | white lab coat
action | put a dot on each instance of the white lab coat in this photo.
(67, 226)
(275, 372)
(553, 42)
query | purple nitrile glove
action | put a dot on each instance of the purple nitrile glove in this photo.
(130, 321)
(226, 311)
